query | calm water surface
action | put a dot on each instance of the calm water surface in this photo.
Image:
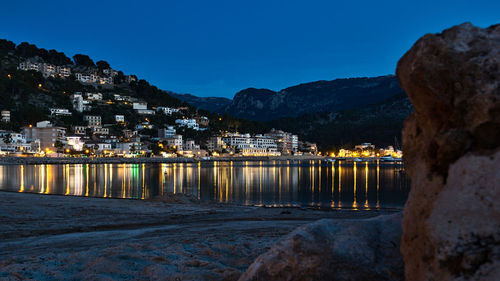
(277, 183)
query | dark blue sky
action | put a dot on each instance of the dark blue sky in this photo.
(216, 48)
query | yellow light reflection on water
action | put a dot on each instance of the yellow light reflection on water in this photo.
(199, 180)
(87, 180)
(124, 175)
(340, 185)
(378, 183)
(95, 179)
(175, 172)
(111, 179)
(143, 184)
(105, 180)
(319, 176)
(355, 203)
(366, 185)
(21, 189)
(333, 186)
(67, 178)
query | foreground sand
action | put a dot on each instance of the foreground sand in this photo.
(46, 237)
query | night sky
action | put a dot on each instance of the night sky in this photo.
(216, 48)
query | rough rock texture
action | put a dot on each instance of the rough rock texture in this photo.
(335, 250)
(451, 143)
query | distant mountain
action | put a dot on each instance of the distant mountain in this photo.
(314, 97)
(214, 104)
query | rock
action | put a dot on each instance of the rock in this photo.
(334, 250)
(451, 224)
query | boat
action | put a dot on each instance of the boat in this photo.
(387, 158)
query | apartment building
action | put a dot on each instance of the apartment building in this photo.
(189, 123)
(119, 118)
(94, 96)
(92, 120)
(175, 141)
(46, 134)
(5, 116)
(287, 142)
(166, 110)
(59, 112)
(166, 133)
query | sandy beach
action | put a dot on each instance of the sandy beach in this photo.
(48, 237)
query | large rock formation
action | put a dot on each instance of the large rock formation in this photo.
(451, 222)
(335, 250)
(313, 97)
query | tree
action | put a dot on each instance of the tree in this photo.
(102, 65)
(7, 139)
(58, 145)
(6, 46)
(56, 58)
(120, 78)
(27, 50)
(83, 60)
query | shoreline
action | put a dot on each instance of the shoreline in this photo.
(139, 160)
(62, 237)
(221, 205)
(9, 160)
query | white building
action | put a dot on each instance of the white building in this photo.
(140, 105)
(364, 146)
(105, 80)
(79, 130)
(287, 143)
(63, 71)
(119, 118)
(43, 124)
(6, 116)
(86, 78)
(75, 143)
(166, 133)
(189, 123)
(17, 142)
(59, 112)
(48, 70)
(215, 143)
(29, 65)
(166, 110)
(128, 147)
(100, 131)
(117, 97)
(94, 96)
(191, 145)
(99, 146)
(93, 78)
(175, 142)
(145, 111)
(256, 146)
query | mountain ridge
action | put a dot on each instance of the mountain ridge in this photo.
(261, 104)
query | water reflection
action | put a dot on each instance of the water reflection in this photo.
(307, 183)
